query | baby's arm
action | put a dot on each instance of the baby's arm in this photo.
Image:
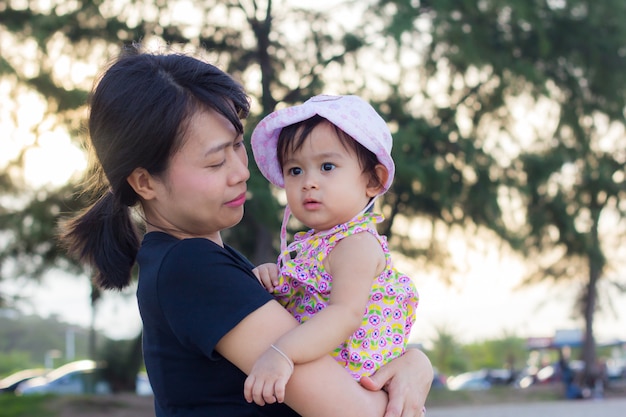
(353, 264)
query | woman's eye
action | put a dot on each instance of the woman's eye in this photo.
(295, 171)
(219, 164)
(327, 166)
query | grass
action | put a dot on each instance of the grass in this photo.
(34, 406)
(54, 405)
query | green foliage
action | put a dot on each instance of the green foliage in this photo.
(25, 341)
(571, 178)
(452, 357)
(447, 354)
(32, 406)
(14, 361)
(509, 353)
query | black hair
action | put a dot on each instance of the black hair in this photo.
(138, 113)
(292, 137)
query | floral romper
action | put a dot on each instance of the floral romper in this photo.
(305, 288)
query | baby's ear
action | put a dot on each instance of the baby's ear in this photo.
(377, 183)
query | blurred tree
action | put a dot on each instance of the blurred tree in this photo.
(541, 87)
(447, 353)
(508, 352)
(30, 338)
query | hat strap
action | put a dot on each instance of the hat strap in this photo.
(284, 251)
(283, 229)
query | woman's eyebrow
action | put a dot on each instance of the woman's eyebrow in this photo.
(221, 146)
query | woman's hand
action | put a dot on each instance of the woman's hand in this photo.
(407, 380)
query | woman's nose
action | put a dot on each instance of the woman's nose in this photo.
(240, 170)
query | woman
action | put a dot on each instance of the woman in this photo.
(168, 138)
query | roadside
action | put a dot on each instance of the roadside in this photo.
(538, 402)
(610, 407)
(117, 405)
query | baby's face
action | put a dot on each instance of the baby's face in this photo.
(324, 182)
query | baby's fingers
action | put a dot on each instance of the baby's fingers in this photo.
(268, 393)
(248, 387)
(279, 389)
(267, 276)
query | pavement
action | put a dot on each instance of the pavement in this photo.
(608, 407)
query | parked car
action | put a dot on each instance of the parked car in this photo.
(80, 377)
(142, 385)
(10, 383)
(439, 380)
(469, 381)
(552, 373)
(616, 368)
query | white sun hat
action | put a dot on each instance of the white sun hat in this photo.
(351, 114)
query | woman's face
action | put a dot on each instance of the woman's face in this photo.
(204, 188)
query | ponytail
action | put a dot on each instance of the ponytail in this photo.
(105, 237)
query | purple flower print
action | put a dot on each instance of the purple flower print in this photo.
(360, 333)
(374, 320)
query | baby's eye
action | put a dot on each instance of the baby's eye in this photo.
(327, 166)
(295, 171)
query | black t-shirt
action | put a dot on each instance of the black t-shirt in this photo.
(192, 292)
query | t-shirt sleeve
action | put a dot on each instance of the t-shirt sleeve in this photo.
(205, 292)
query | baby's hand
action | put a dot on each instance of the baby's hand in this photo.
(268, 378)
(267, 274)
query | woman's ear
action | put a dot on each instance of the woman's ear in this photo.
(142, 182)
(377, 184)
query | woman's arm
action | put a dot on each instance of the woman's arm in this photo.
(318, 388)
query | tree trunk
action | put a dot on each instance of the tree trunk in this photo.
(595, 270)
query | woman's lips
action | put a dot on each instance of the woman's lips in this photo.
(239, 201)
